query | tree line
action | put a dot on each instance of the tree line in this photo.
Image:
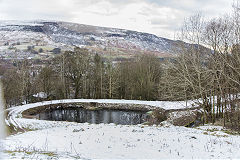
(82, 74)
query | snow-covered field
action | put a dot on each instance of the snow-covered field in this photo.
(69, 140)
(109, 141)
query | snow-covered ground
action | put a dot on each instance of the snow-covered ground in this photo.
(69, 140)
(110, 141)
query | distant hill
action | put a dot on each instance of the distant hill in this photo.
(106, 41)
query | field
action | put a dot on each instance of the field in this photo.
(58, 140)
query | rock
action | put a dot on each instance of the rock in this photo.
(134, 130)
(166, 124)
(184, 118)
(78, 130)
(156, 116)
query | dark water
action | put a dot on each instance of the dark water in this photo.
(82, 115)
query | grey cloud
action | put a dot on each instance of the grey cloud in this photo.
(32, 9)
(115, 3)
(172, 24)
(122, 2)
(191, 6)
(146, 11)
(115, 6)
(157, 21)
(110, 13)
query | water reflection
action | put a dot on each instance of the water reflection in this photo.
(82, 115)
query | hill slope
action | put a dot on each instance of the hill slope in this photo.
(108, 41)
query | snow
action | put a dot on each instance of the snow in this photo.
(40, 95)
(16, 22)
(72, 140)
(109, 141)
(2, 127)
(25, 36)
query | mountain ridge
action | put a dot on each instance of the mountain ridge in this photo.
(112, 41)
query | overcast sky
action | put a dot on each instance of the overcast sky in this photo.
(160, 17)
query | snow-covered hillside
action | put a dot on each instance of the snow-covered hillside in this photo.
(59, 34)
